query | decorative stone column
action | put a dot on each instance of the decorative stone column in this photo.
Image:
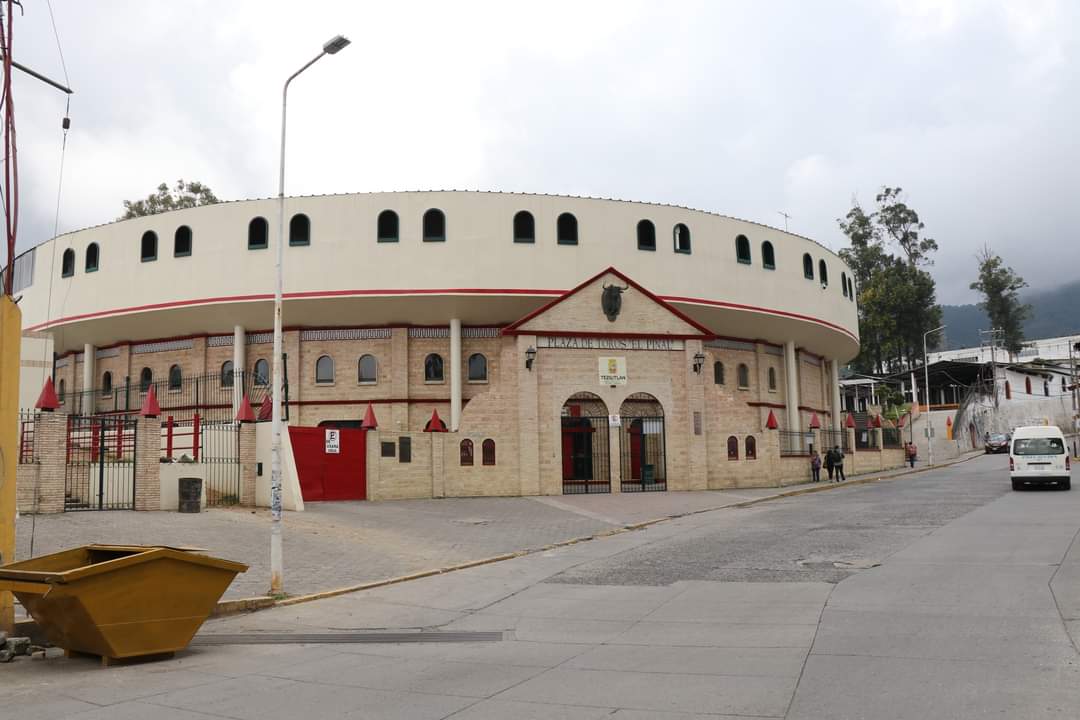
(89, 403)
(50, 446)
(238, 362)
(148, 463)
(791, 387)
(248, 463)
(455, 374)
(834, 379)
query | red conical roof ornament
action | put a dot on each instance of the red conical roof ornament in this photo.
(948, 421)
(815, 422)
(877, 421)
(245, 413)
(266, 410)
(435, 424)
(770, 422)
(150, 407)
(47, 400)
(850, 422)
(369, 422)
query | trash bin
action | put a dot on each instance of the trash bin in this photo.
(190, 493)
(120, 601)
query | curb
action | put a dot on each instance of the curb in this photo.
(225, 608)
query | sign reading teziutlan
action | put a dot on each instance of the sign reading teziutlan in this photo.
(612, 371)
(607, 343)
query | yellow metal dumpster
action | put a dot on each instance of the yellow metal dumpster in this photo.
(120, 601)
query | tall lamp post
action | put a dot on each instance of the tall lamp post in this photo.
(330, 48)
(926, 389)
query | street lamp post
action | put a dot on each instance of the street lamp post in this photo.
(926, 382)
(330, 48)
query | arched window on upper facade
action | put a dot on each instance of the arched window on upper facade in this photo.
(823, 273)
(176, 377)
(367, 370)
(300, 229)
(262, 372)
(258, 234)
(751, 448)
(148, 246)
(324, 370)
(106, 383)
(808, 266)
(718, 373)
(92, 255)
(433, 368)
(1027, 385)
(768, 256)
(488, 451)
(843, 284)
(386, 227)
(566, 229)
(743, 373)
(477, 368)
(465, 452)
(434, 226)
(646, 235)
(681, 235)
(524, 227)
(851, 290)
(1008, 390)
(67, 263)
(182, 242)
(61, 391)
(732, 448)
(742, 250)
(146, 379)
(227, 374)
(772, 379)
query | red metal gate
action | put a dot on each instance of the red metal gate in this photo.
(327, 475)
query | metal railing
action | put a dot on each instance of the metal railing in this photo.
(795, 443)
(832, 438)
(27, 426)
(891, 438)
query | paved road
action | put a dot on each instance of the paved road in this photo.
(941, 595)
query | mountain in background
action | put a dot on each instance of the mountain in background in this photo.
(1055, 312)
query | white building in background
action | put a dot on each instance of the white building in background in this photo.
(1056, 348)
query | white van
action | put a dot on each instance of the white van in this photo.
(1037, 456)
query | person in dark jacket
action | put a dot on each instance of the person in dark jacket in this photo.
(829, 463)
(838, 464)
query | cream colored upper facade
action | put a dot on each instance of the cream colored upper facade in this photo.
(478, 274)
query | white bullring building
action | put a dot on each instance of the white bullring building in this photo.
(570, 344)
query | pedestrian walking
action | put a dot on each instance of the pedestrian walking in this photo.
(829, 461)
(838, 464)
(815, 466)
(912, 453)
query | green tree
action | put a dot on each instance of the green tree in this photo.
(1000, 287)
(897, 297)
(184, 195)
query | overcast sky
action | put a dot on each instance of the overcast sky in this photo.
(745, 109)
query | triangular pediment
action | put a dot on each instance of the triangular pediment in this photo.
(636, 312)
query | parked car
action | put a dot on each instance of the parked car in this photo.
(997, 444)
(1037, 456)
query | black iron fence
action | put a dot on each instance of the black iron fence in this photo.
(586, 455)
(794, 443)
(100, 467)
(866, 439)
(210, 396)
(642, 449)
(832, 438)
(892, 438)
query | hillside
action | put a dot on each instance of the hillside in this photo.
(1054, 312)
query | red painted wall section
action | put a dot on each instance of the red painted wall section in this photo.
(330, 476)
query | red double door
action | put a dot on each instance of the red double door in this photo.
(328, 475)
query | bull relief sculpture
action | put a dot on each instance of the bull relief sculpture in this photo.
(611, 300)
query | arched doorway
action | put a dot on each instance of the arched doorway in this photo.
(642, 444)
(585, 449)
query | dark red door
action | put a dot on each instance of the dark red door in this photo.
(635, 450)
(330, 476)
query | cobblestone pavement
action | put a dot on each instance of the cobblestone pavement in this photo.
(332, 545)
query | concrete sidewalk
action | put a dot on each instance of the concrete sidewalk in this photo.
(336, 545)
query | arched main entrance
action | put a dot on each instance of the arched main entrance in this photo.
(642, 444)
(585, 448)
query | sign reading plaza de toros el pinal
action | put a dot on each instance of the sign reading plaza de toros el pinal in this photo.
(607, 343)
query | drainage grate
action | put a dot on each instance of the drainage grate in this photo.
(336, 638)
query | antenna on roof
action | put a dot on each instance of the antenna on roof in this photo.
(786, 216)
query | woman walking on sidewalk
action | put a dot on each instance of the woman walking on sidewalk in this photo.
(912, 453)
(815, 466)
(838, 464)
(829, 463)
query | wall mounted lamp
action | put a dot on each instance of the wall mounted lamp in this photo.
(530, 355)
(699, 362)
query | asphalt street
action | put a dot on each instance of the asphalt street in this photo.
(936, 595)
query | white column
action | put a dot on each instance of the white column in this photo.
(834, 376)
(89, 353)
(791, 390)
(239, 348)
(455, 373)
